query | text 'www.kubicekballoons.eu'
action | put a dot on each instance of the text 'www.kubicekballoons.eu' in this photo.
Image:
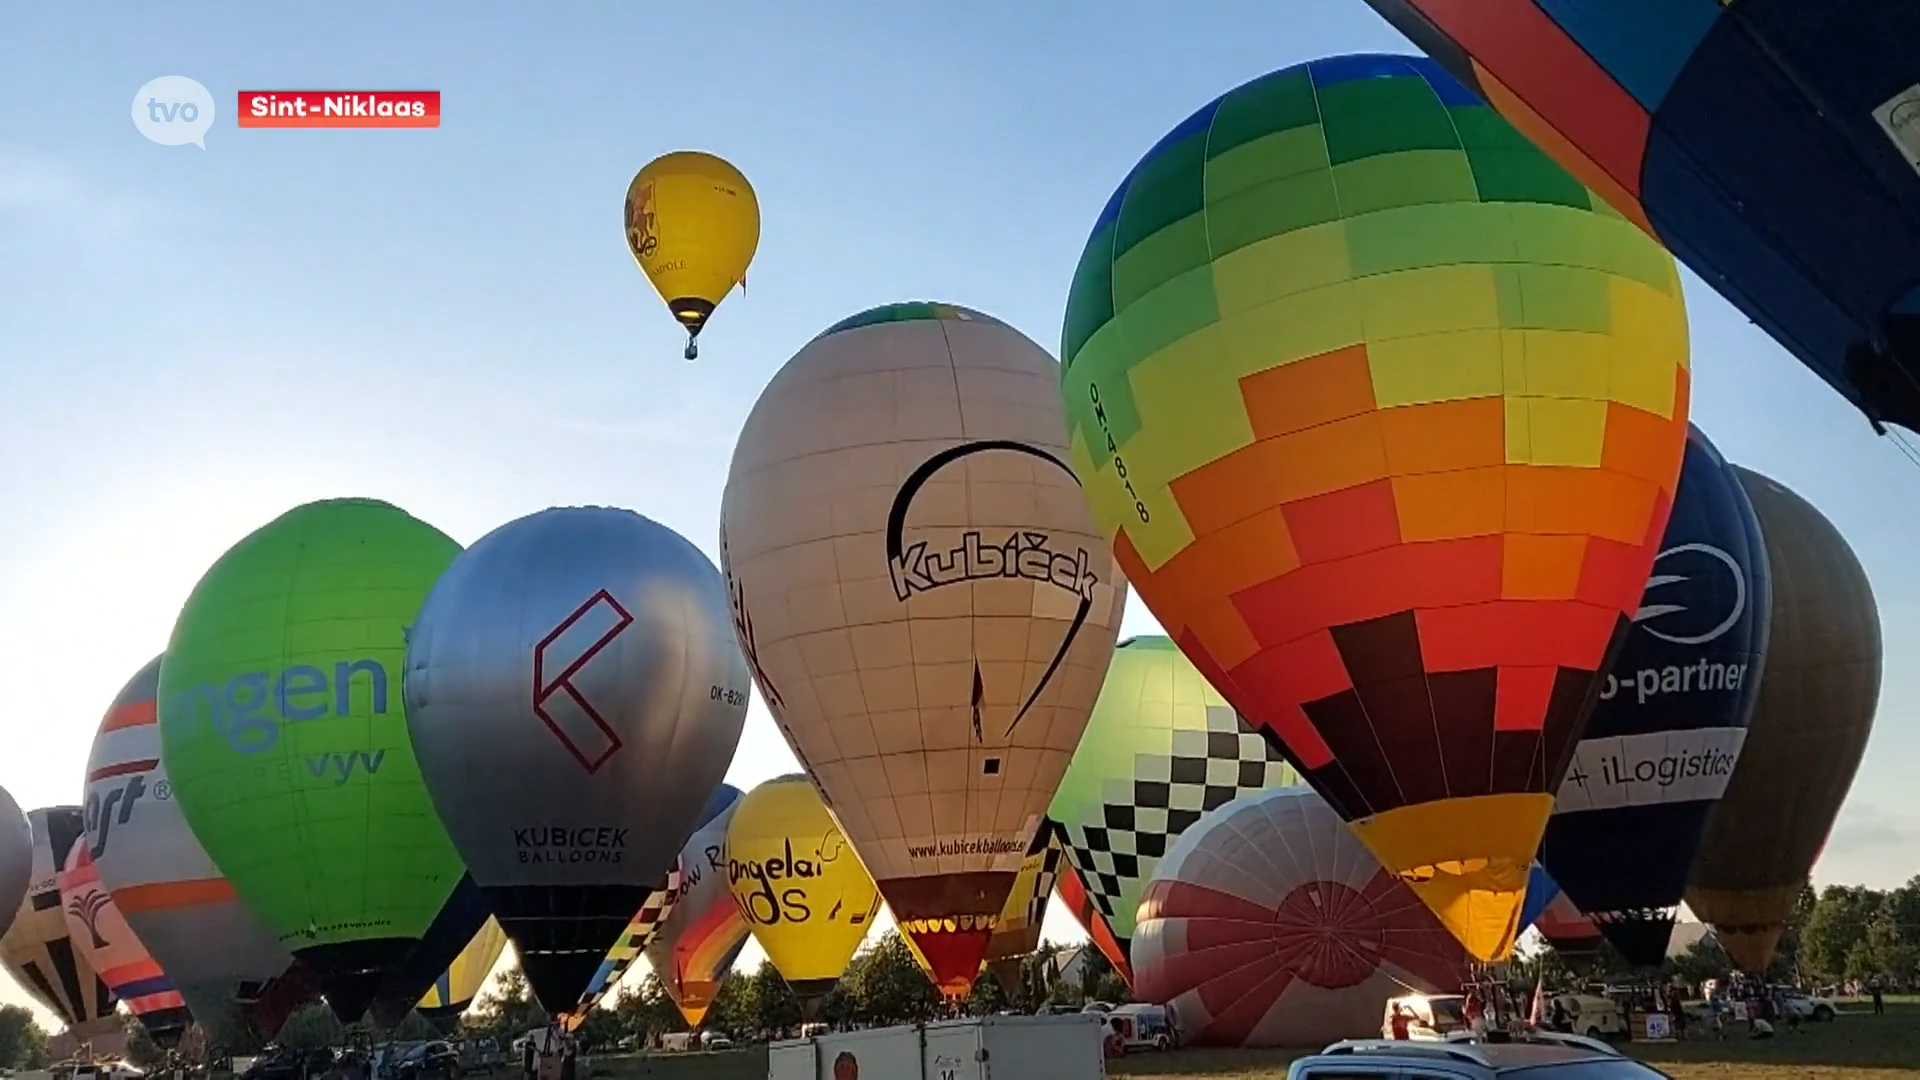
(1383, 412)
(210, 944)
(1661, 743)
(927, 603)
(575, 694)
(285, 740)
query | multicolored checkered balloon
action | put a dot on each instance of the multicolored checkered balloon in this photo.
(1383, 412)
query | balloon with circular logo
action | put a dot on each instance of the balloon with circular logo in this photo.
(1662, 740)
(798, 885)
(16, 859)
(575, 694)
(1269, 924)
(1383, 412)
(100, 932)
(1819, 691)
(217, 952)
(928, 605)
(39, 950)
(285, 738)
(692, 223)
(702, 936)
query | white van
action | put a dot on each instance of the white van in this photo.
(677, 1042)
(1142, 1027)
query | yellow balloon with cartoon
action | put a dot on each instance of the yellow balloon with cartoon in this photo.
(692, 224)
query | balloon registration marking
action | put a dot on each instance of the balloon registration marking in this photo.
(545, 689)
(1024, 554)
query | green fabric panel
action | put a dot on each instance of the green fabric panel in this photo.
(1272, 103)
(1165, 188)
(1278, 206)
(1368, 117)
(1158, 258)
(1090, 297)
(1406, 178)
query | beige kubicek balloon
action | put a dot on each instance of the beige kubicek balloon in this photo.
(925, 600)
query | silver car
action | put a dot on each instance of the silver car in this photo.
(1534, 1056)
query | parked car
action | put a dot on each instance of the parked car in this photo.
(284, 1063)
(1534, 1056)
(434, 1060)
(1143, 1027)
(1805, 1006)
(480, 1055)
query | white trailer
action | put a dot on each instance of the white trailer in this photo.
(983, 1048)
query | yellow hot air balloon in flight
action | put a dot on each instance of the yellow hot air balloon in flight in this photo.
(454, 990)
(800, 888)
(692, 223)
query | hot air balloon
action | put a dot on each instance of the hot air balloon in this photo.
(1818, 691)
(1384, 414)
(1772, 146)
(285, 740)
(1270, 925)
(701, 937)
(456, 987)
(639, 933)
(101, 934)
(1660, 744)
(1075, 897)
(38, 948)
(1541, 889)
(1021, 917)
(692, 223)
(452, 932)
(235, 976)
(16, 859)
(1573, 934)
(570, 802)
(1162, 748)
(927, 606)
(801, 889)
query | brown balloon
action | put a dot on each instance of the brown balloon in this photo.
(1818, 691)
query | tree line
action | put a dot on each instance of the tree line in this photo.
(1836, 934)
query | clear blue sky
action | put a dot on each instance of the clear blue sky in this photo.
(192, 342)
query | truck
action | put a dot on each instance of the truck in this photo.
(980, 1048)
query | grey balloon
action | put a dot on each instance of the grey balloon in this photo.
(16, 858)
(574, 693)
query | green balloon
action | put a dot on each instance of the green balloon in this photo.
(1161, 748)
(285, 736)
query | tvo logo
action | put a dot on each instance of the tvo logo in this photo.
(1696, 595)
(115, 807)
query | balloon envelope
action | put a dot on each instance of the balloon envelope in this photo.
(692, 223)
(178, 904)
(16, 859)
(285, 739)
(1661, 742)
(1384, 413)
(1072, 890)
(638, 934)
(1268, 924)
(1023, 915)
(1541, 889)
(1664, 108)
(451, 933)
(101, 934)
(927, 604)
(1819, 689)
(798, 886)
(702, 935)
(571, 801)
(456, 987)
(1162, 749)
(1572, 933)
(38, 948)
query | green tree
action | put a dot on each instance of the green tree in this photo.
(23, 1043)
(141, 1049)
(646, 1012)
(508, 1011)
(1836, 926)
(770, 1001)
(1703, 960)
(887, 986)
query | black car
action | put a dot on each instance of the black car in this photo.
(428, 1061)
(286, 1063)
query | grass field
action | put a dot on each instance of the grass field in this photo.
(1857, 1046)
